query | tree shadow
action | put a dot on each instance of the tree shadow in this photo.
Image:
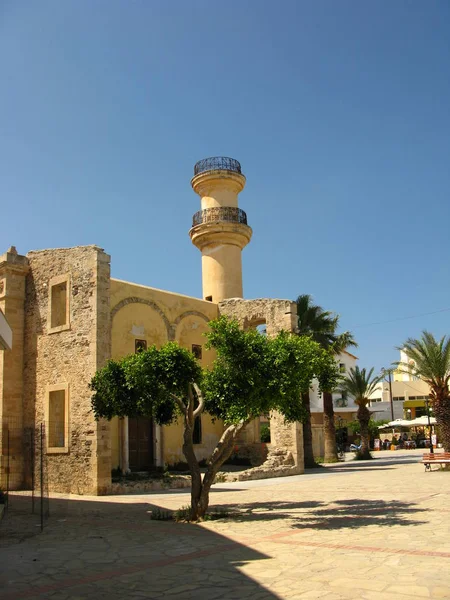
(356, 467)
(98, 549)
(342, 514)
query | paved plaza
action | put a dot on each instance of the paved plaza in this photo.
(353, 530)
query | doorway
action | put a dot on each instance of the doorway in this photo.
(140, 443)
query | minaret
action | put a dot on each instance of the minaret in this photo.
(220, 229)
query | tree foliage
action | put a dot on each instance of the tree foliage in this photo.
(147, 384)
(431, 363)
(373, 426)
(252, 375)
(360, 384)
(322, 327)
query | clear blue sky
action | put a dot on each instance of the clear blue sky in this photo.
(337, 110)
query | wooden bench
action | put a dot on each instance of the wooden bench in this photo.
(439, 458)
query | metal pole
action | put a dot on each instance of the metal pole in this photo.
(32, 468)
(7, 469)
(429, 426)
(390, 395)
(42, 477)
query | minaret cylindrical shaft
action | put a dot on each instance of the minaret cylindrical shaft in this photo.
(220, 229)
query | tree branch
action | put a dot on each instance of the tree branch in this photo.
(180, 403)
(230, 432)
(201, 401)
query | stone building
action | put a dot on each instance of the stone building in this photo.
(69, 316)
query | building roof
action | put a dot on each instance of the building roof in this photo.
(350, 354)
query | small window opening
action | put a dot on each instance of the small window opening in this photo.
(208, 298)
(197, 433)
(140, 346)
(57, 419)
(197, 351)
(59, 305)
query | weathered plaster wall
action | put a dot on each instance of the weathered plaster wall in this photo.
(70, 356)
(145, 313)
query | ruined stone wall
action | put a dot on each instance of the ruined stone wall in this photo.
(278, 315)
(286, 449)
(69, 356)
(13, 270)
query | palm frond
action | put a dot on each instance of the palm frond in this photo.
(360, 384)
(430, 359)
(321, 325)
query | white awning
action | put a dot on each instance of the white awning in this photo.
(422, 421)
(419, 422)
(396, 423)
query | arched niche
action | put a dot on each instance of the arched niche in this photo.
(134, 321)
(190, 328)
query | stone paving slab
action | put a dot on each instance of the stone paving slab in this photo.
(373, 530)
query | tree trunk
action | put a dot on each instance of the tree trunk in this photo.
(308, 452)
(363, 416)
(441, 408)
(196, 476)
(200, 489)
(329, 429)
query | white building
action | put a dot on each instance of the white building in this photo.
(409, 395)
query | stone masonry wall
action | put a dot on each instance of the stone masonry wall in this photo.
(70, 356)
(13, 270)
(286, 449)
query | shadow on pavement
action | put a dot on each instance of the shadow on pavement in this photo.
(343, 514)
(114, 550)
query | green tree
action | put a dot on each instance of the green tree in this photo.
(252, 375)
(360, 384)
(320, 325)
(431, 363)
(372, 426)
(342, 342)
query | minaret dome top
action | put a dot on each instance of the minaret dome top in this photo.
(217, 163)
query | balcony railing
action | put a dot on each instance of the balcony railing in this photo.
(228, 214)
(215, 163)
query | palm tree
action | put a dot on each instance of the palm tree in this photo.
(341, 343)
(321, 325)
(359, 384)
(431, 363)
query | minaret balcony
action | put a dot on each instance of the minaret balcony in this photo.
(217, 163)
(220, 214)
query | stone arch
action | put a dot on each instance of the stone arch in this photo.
(137, 300)
(185, 315)
(253, 320)
(190, 313)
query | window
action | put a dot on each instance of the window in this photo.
(197, 351)
(341, 368)
(208, 298)
(57, 418)
(58, 305)
(140, 346)
(197, 434)
(399, 398)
